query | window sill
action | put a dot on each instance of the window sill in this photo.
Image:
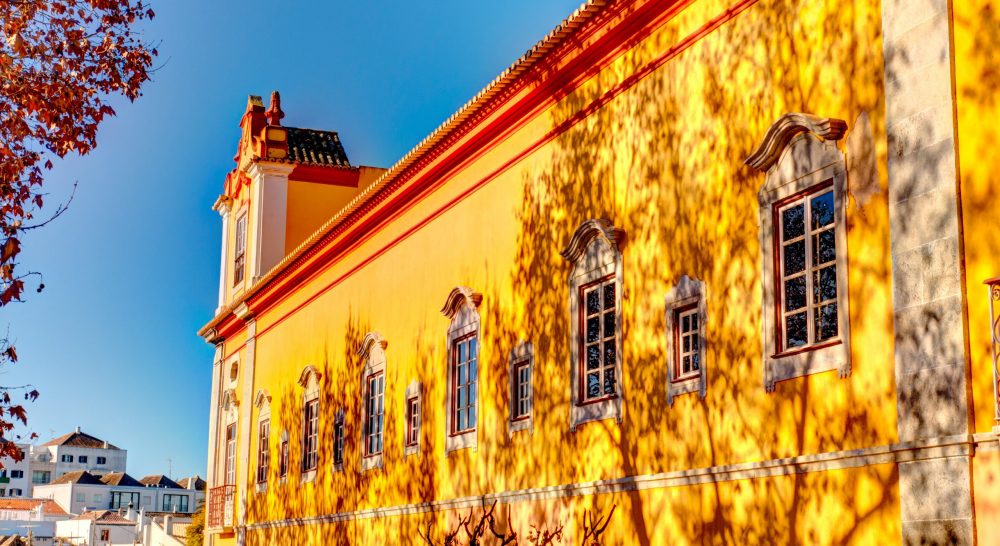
(595, 410)
(464, 440)
(523, 423)
(411, 450)
(261, 487)
(695, 383)
(371, 462)
(807, 361)
(308, 476)
(338, 467)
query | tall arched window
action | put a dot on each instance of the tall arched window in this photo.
(803, 237)
(461, 308)
(595, 297)
(262, 401)
(309, 461)
(372, 353)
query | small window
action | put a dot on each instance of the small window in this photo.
(175, 503)
(521, 364)
(66, 458)
(81, 497)
(283, 459)
(685, 316)
(338, 441)
(412, 421)
(82, 459)
(16, 493)
(106, 534)
(599, 316)
(41, 476)
(263, 452)
(102, 460)
(239, 256)
(375, 411)
(16, 473)
(98, 497)
(310, 435)
(231, 454)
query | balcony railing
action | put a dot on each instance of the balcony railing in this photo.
(221, 501)
(994, 287)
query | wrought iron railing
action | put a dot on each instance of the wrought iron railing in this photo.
(221, 501)
(994, 288)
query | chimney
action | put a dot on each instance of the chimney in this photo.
(168, 525)
(105, 445)
(78, 429)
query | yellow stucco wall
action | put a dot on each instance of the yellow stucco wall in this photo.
(976, 81)
(309, 206)
(664, 161)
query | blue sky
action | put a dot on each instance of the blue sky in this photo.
(131, 270)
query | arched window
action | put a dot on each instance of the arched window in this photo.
(461, 308)
(372, 353)
(803, 237)
(309, 381)
(262, 401)
(595, 297)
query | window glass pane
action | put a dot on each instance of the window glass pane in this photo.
(791, 221)
(472, 346)
(795, 257)
(609, 324)
(609, 381)
(609, 353)
(824, 247)
(825, 284)
(694, 342)
(609, 295)
(593, 357)
(593, 329)
(694, 362)
(826, 322)
(593, 302)
(694, 321)
(795, 293)
(462, 355)
(686, 323)
(593, 385)
(796, 330)
(822, 210)
(686, 366)
(472, 416)
(687, 343)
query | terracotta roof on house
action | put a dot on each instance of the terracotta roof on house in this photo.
(78, 476)
(199, 484)
(78, 439)
(105, 517)
(48, 506)
(159, 480)
(120, 478)
(314, 147)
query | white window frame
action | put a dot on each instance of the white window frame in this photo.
(372, 353)
(688, 293)
(594, 254)
(523, 353)
(230, 415)
(798, 153)
(461, 308)
(262, 401)
(309, 381)
(412, 392)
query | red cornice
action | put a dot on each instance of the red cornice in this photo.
(595, 44)
(320, 174)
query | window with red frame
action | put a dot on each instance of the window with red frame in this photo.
(412, 421)
(600, 340)
(338, 441)
(310, 435)
(806, 267)
(106, 534)
(521, 398)
(687, 343)
(239, 254)
(263, 454)
(283, 459)
(374, 413)
(464, 371)
(230, 454)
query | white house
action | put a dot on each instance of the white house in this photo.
(35, 516)
(15, 477)
(81, 451)
(98, 527)
(81, 491)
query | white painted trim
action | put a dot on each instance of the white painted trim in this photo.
(372, 353)
(688, 291)
(807, 161)
(462, 307)
(936, 448)
(413, 390)
(269, 188)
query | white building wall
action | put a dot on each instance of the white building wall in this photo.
(114, 460)
(11, 469)
(84, 531)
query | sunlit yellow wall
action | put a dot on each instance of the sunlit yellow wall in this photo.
(309, 206)
(977, 40)
(663, 161)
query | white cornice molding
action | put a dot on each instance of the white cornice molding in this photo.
(260, 169)
(369, 341)
(309, 370)
(787, 126)
(587, 232)
(223, 204)
(262, 397)
(459, 297)
(243, 312)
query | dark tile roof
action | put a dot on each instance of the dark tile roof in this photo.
(48, 506)
(78, 476)
(316, 147)
(159, 480)
(105, 517)
(120, 478)
(78, 439)
(199, 484)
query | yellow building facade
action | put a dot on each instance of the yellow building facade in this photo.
(696, 271)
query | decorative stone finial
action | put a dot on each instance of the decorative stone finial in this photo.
(274, 113)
